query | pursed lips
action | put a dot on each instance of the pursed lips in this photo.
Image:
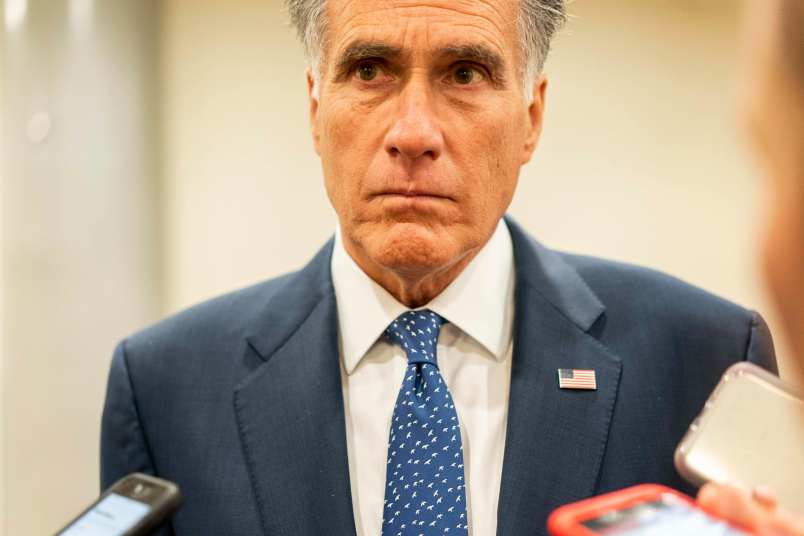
(413, 194)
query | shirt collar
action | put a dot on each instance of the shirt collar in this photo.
(480, 302)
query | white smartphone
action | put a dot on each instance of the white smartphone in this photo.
(750, 433)
(135, 505)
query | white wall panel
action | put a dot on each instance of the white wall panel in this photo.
(79, 266)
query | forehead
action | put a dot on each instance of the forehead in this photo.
(424, 25)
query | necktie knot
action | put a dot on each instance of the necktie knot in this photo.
(417, 333)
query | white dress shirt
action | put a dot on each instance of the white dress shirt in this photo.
(474, 357)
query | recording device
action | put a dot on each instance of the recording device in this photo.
(644, 510)
(135, 505)
(750, 433)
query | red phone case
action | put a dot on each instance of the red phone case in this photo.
(567, 520)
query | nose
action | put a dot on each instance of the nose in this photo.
(415, 132)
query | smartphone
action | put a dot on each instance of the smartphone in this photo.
(750, 433)
(644, 510)
(135, 505)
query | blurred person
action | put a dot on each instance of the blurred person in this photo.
(773, 107)
(433, 368)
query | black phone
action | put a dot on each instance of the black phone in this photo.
(136, 505)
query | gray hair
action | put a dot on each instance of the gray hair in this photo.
(537, 22)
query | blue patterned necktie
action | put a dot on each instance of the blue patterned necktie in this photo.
(424, 483)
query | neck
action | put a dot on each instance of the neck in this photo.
(411, 286)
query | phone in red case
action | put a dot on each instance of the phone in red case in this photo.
(644, 510)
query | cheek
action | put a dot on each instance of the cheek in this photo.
(344, 159)
(500, 141)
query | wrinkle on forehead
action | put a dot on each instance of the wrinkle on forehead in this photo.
(400, 21)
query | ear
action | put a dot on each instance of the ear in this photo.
(313, 93)
(535, 118)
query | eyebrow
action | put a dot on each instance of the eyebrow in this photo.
(362, 50)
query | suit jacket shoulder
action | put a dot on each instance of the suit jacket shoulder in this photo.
(277, 306)
(681, 314)
(170, 407)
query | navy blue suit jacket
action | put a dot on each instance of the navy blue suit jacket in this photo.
(239, 400)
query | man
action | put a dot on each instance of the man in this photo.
(773, 106)
(433, 369)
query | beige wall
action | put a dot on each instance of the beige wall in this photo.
(639, 162)
(243, 195)
(2, 279)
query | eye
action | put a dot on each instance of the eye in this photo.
(466, 74)
(367, 71)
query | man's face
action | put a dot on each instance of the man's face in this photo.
(421, 126)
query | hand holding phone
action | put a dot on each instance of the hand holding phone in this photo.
(645, 510)
(758, 510)
(135, 505)
(750, 433)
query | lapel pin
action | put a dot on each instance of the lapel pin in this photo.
(577, 379)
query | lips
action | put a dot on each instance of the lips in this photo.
(412, 193)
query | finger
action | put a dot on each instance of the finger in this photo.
(732, 504)
(786, 524)
(765, 497)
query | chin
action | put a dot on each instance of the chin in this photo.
(413, 247)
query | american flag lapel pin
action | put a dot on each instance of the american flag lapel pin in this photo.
(577, 379)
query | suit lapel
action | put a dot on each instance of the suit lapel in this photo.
(289, 410)
(556, 438)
